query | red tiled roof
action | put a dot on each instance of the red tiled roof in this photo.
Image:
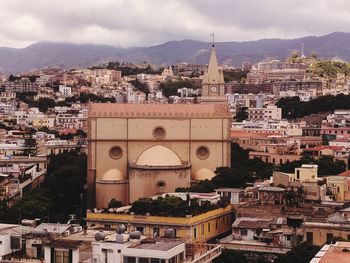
(246, 134)
(254, 224)
(345, 173)
(323, 147)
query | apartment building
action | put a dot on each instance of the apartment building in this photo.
(271, 112)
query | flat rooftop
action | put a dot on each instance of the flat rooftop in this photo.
(160, 246)
(340, 253)
(232, 190)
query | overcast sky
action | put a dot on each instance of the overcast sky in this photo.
(147, 22)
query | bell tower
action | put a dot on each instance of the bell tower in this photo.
(213, 84)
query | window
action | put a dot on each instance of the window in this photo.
(195, 232)
(298, 174)
(161, 184)
(348, 237)
(202, 152)
(329, 238)
(61, 256)
(116, 152)
(129, 259)
(140, 228)
(156, 231)
(208, 227)
(310, 237)
(159, 133)
(244, 232)
(202, 228)
(143, 260)
(105, 255)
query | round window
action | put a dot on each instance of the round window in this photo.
(116, 152)
(159, 133)
(202, 152)
(161, 184)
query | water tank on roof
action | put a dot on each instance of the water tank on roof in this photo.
(99, 236)
(40, 233)
(121, 229)
(169, 233)
(119, 239)
(28, 222)
(135, 235)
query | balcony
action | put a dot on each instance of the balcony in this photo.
(202, 253)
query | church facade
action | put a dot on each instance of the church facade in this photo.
(139, 150)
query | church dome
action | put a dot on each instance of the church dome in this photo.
(112, 175)
(203, 173)
(158, 156)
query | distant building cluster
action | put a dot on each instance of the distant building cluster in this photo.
(151, 136)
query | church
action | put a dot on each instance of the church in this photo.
(140, 150)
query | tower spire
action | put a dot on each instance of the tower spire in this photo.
(213, 36)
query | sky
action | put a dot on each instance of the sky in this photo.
(127, 23)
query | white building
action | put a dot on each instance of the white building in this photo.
(121, 249)
(65, 91)
(11, 238)
(271, 112)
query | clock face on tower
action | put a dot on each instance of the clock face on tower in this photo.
(213, 89)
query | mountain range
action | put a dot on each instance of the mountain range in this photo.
(66, 55)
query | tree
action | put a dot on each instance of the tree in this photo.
(170, 206)
(303, 253)
(327, 165)
(238, 75)
(313, 54)
(231, 177)
(204, 186)
(170, 87)
(35, 205)
(242, 114)
(60, 196)
(30, 146)
(114, 203)
(44, 104)
(81, 133)
(230, 256)
(140, 86)
(293, 108)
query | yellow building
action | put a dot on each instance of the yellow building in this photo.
(44, 122)
(320, 232)
(199, 228)
(338, 186)
(306, 173)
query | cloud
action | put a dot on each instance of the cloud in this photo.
(147, 22)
